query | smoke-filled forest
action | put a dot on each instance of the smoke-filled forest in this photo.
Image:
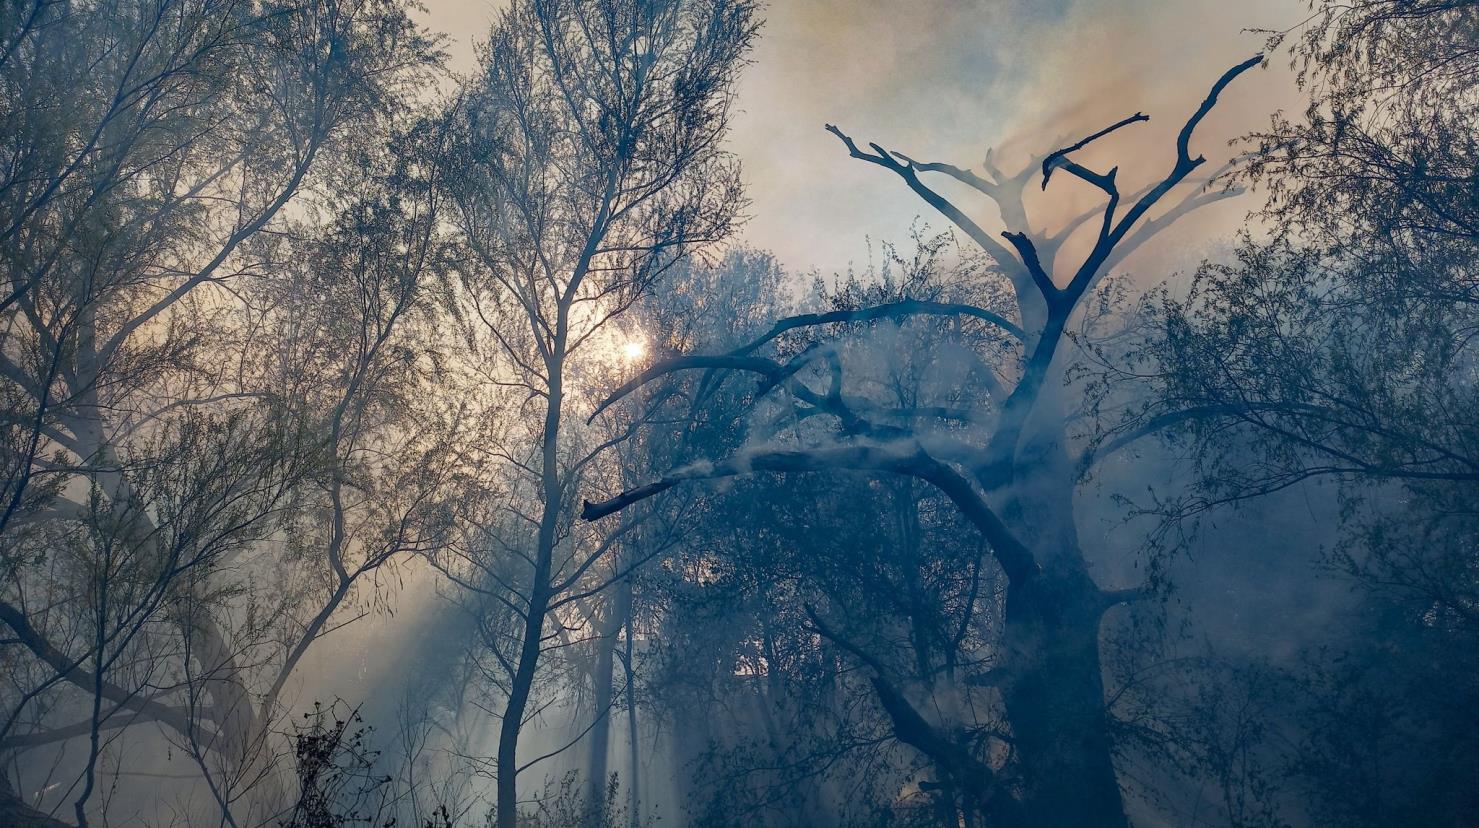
(640, 413)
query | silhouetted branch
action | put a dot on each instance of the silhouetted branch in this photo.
(904, 457)
(758, 365)
(892, 310)
(906, 171)
(966, 177)
(1113, 233)
(1028, 251)
(739, 360)
(1059, 158)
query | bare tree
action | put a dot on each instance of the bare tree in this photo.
(1015, 483)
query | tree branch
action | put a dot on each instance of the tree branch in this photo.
(1059, 158)
(904, 457)
(882, 158)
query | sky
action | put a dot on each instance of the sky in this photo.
(945, 80)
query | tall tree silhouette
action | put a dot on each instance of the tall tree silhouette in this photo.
(591, 163)
(1014, 479)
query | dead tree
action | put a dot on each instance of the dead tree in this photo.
(1015, 480)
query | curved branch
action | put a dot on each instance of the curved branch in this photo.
(739, 359)
(908, 172)
(771, 369)
(1183, 140)
(985, 186)
(892, 310)
(904, 457)
(1059, 158)
(1091, 456)
(71, 670)
(909, 726)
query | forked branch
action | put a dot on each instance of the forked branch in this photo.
(1059, 158)
(891, 310)
(1113, 232)
(907, 171)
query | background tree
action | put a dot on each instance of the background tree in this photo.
(158, 145)
(588, 164)
(1336, 352)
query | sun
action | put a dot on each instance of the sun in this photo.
(634, 350)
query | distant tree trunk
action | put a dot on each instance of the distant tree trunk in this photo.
(601, 676)
(506, 764)
(100, 666)
(634, 785)
(600, 745)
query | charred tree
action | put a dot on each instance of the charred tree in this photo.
(1015, 483)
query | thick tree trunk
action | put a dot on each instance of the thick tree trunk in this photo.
(1053, 688)
(1054, 698)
